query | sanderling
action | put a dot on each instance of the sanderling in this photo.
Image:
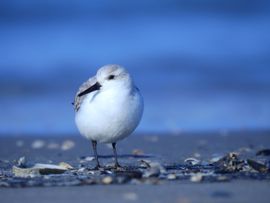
(108, 107)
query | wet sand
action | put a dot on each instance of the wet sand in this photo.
(169, 150)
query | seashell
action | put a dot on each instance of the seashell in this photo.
(258, 166)
(65, 165)
(192, 161)
(38, 169)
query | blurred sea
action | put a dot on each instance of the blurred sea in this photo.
(201, 65)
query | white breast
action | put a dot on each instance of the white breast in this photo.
(111, 115)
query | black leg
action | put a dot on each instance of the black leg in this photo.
(94, 144)
(117, 165)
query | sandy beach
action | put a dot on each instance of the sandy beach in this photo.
(170, 151)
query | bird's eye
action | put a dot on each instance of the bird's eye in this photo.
(111, 77)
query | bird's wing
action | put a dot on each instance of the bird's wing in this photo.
(78, 99)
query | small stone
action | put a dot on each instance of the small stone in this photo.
(215, 159)
(107, 180)
(171, 176)
(38, 144)
(154, 164)
(22, 162)
(152, 172)
(67, 145)
(137, 152)
(89, 158)
(130, 196)
(82, 170)
(198, 177)
(197, 155)
(222, 178)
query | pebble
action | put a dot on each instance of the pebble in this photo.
(22, 162)
(137, 152)
(215, 159)
(89, 158)
(38, 144)
(107, 180)
(152, 172)
(171, 176)
(154, 164)
(198, 177)
(222, 178)
(197, 155)
(82, 170)
(67, 145)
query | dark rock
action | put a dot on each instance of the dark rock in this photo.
(263, 152)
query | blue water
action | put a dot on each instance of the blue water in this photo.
(200, 66)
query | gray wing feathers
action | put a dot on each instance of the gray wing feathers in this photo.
(78, 100)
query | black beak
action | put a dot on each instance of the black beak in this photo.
(93, 88)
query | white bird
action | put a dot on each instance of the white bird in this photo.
(108, 107)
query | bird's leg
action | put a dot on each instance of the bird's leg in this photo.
(94, 144)
(117, 165)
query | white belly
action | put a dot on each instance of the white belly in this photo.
(109, 116)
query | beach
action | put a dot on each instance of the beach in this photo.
(180, 182)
